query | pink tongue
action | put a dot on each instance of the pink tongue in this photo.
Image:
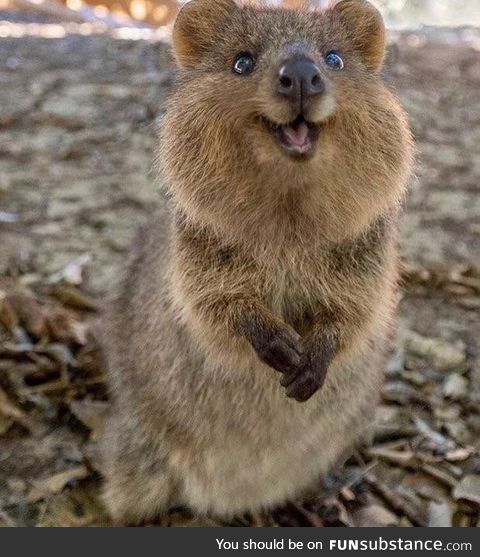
(297, 136)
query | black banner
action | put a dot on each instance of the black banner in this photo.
(230, 541)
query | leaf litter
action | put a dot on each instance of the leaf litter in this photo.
(419, 464)
(413, 472)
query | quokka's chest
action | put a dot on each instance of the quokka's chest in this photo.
(300, 282)
(297, 291)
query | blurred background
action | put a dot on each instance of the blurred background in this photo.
(400, 14)
(82, 85)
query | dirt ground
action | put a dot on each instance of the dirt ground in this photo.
(77, 132)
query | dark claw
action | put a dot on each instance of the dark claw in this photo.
(282, 353)
(288, 378)
(276, 343)
(306, 382)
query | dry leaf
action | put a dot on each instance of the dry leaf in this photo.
(402, 458)
(455, 386)
(63, 327)
(55, 483)
(468, 489)
(442, 354)
(459, 455)
(72, 273)
(5, 423)
(30, 313)
(74, 297)
(75, 508)
(91, 413)
(8, 317)
(374, 516)
(13, 412)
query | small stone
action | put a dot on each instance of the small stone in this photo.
(449, 413)
(397, 362)
(12, 62)
(468, 489)
(458, 431)
(455, 386)
(374, 516)
(8, 218)
(439, 515)
(474, 423)
(17, 485)
(440, 353)
(471, 302)
(391, 421)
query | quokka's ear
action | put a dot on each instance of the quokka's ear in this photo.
(366, 30)
(196, 27)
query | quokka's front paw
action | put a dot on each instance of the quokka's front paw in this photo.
(302, 383)
(279, 346)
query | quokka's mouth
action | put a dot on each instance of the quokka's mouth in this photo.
(298, 138)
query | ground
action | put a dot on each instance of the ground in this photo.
(77, 131)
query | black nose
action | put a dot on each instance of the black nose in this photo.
(299, 78)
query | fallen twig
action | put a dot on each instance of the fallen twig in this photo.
(395, 501)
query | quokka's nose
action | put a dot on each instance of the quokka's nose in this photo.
(299, 78)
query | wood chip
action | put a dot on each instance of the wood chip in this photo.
(460, 454)
(401, 458)
(442, 354)
(74, 297)
(395, 501)
(468, 489)
(374, 516)
(439, 515)
(92, 413)
(455, 387)
(54, 484)
(440, 475)
(10, 410)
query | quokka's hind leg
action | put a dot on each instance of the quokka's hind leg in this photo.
(134, 499)
(138, 485)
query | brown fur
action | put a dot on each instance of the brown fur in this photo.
(261, 264)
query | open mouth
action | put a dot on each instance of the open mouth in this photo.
(298, 138)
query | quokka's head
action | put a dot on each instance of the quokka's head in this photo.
(281, 75)
(273, 102)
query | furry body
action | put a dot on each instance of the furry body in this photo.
(259, 264)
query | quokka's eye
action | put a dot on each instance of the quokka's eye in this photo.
(244, 64)
(334, 60)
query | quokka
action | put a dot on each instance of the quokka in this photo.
(246, 345)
